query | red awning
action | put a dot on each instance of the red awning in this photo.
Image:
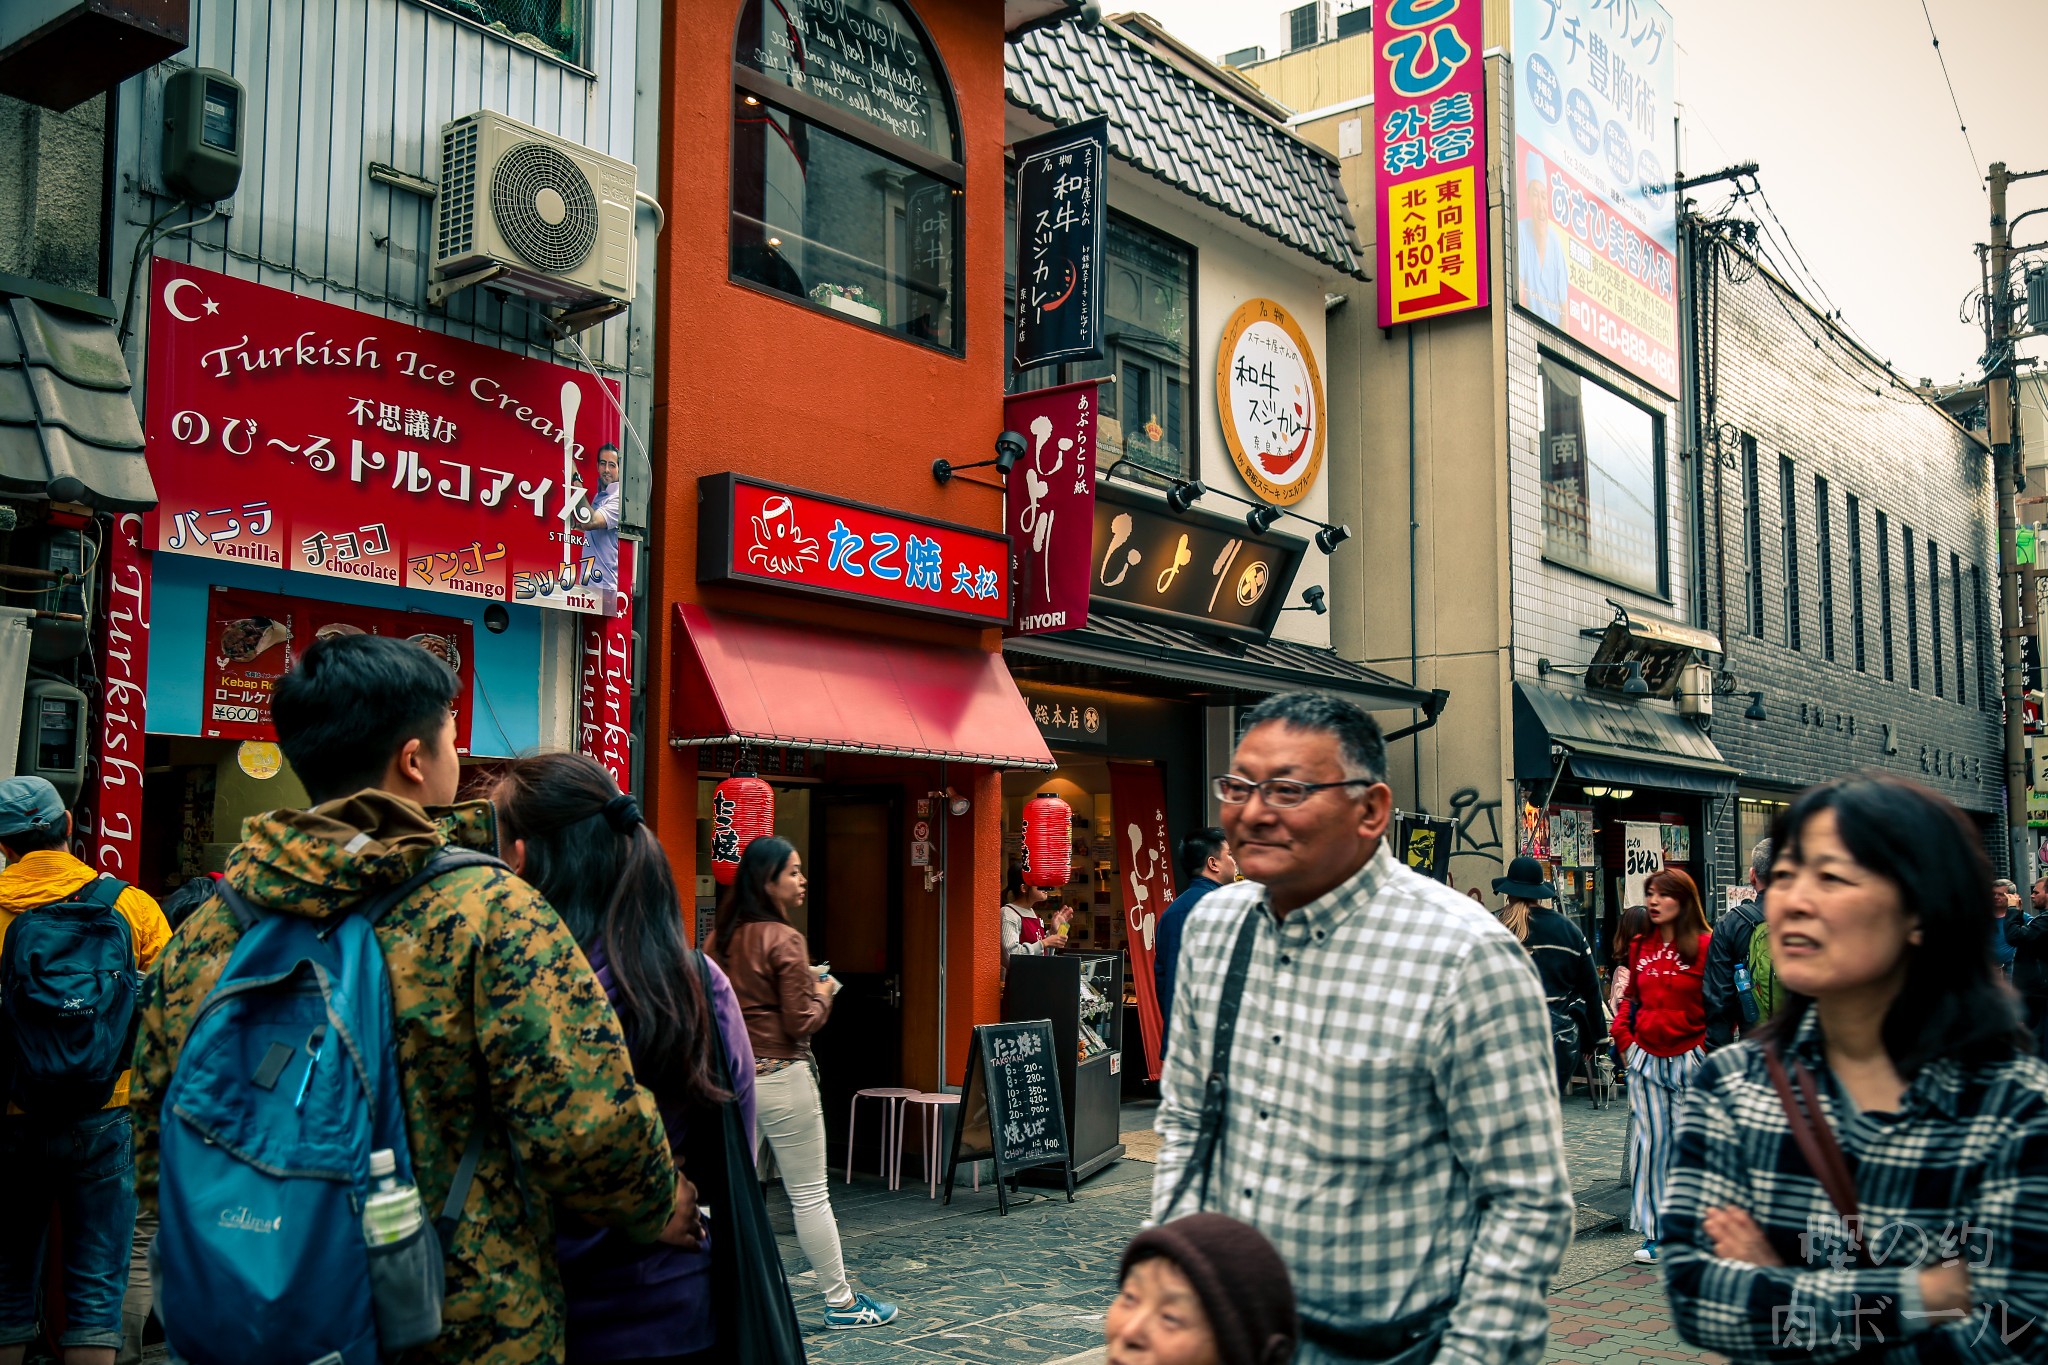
(767, 682)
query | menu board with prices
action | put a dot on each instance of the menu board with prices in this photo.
(1010, 1110)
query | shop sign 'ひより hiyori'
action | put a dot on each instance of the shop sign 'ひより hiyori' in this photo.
(288, 432)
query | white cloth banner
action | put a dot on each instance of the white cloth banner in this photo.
(1644, 854)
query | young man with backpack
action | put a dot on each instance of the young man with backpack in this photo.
(74, 946)
(511, 1075)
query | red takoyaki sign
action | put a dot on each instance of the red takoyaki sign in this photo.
(301, 435)
(765, 535)
(254, 638)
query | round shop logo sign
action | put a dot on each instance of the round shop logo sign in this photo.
(1269, 395)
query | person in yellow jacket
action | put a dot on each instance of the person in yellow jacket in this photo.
(85, 1166)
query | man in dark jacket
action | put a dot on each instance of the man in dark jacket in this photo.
(2029, 939)
(1731, 945)
(1206, 863)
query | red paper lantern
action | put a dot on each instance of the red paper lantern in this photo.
(1048, 840)
(742, 810)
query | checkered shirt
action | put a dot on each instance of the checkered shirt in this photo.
(1961, 1169)
(1392, 1119)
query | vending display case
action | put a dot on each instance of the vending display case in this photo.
(1082, 993)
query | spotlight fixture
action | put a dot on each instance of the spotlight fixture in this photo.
(1330, 537)
(1261, 518)
(1182, 495)
(1010, 448)
(1755, 710)
(1317, 600)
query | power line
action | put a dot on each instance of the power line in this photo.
(1954, 103)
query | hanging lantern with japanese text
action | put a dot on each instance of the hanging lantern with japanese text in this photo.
(742, 810)
(1048, 840)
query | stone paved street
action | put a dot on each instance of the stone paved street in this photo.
(1030, 1289)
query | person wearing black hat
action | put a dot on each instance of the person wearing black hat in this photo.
(1202, 1290)
(1571, 986)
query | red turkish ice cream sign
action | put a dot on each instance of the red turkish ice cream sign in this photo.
(760, 534)
(254, 638)
(1049, 505)
(604, 714)
(124, 669)
(292, 433)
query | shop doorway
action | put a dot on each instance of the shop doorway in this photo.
(855, 888)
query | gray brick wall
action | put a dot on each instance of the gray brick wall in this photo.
(1896, 455)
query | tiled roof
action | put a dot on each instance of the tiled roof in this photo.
(1169, 125)
(68, 429)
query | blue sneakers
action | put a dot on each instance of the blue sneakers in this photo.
(1646, 1254)
(862, 1310)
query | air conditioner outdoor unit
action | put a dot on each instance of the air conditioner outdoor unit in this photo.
(531, 212)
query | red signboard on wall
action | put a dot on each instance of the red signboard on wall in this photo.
(1049, 505)
(301, 435)
(254, 638)
(1137, 798)
(765, 535)
(124, 669)
(604, 712)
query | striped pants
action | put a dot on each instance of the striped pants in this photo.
(1654, 1087)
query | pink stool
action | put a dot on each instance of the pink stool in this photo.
(933, 1162)
(892, 1097)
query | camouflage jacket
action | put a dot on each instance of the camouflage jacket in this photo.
(498, 1013)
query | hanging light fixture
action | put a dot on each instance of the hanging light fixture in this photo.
(742, 810)
(1048, 841)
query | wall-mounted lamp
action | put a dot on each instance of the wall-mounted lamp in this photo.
(1755, 710)
(956, 804)
(1633, 683)
(1330, 537)
(1010, 448)
(1182, 495)
(1317, 601)
(1596, 791)
(1261, 518)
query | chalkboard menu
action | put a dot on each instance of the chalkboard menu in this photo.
(1010, 1111)
(861, 56)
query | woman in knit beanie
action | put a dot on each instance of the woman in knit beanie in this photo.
(1202, 1290)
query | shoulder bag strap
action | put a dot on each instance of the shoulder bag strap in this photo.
(1815, 1138)
(1215, 1092)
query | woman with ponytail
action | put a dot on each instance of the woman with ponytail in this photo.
(565, 828)
(786, 1000)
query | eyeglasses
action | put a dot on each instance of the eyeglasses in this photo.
(1281, 793)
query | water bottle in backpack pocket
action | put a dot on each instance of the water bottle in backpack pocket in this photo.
(69, 987)
(276, 1243)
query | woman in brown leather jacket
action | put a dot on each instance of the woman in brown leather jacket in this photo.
(785, 1000)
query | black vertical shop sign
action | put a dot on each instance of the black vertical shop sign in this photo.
(1061, 209)
(1010, 1109)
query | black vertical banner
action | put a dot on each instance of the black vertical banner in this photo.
(1061, 207)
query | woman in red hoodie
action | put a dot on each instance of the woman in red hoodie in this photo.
(1662, 1030)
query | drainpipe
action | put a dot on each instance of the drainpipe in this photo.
(1414, 625)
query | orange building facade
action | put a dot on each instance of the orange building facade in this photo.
(831, 322)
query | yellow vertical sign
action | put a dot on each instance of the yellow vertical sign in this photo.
(1432, 257)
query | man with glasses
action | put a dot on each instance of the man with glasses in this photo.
(1361, 1066)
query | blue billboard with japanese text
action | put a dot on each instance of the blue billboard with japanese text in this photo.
(1596, 231)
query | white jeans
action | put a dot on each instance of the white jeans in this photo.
(788, 1114)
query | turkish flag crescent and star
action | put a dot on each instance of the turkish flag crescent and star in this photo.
(1144, 855)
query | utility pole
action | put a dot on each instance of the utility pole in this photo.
(1999, 348)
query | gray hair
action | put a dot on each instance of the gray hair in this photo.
(1760, 859)
(2003, 885)
(1359, 743)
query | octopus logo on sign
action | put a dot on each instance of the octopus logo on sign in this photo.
(1269, 395)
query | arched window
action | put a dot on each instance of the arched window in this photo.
(846, 171)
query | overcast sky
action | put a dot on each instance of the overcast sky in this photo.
(1842, 104)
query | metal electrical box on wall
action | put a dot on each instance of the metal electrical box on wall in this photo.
(52, 744)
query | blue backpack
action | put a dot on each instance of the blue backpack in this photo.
(287, 1082)
(69, 986)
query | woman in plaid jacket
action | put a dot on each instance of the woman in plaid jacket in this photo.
(1901, 1068)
